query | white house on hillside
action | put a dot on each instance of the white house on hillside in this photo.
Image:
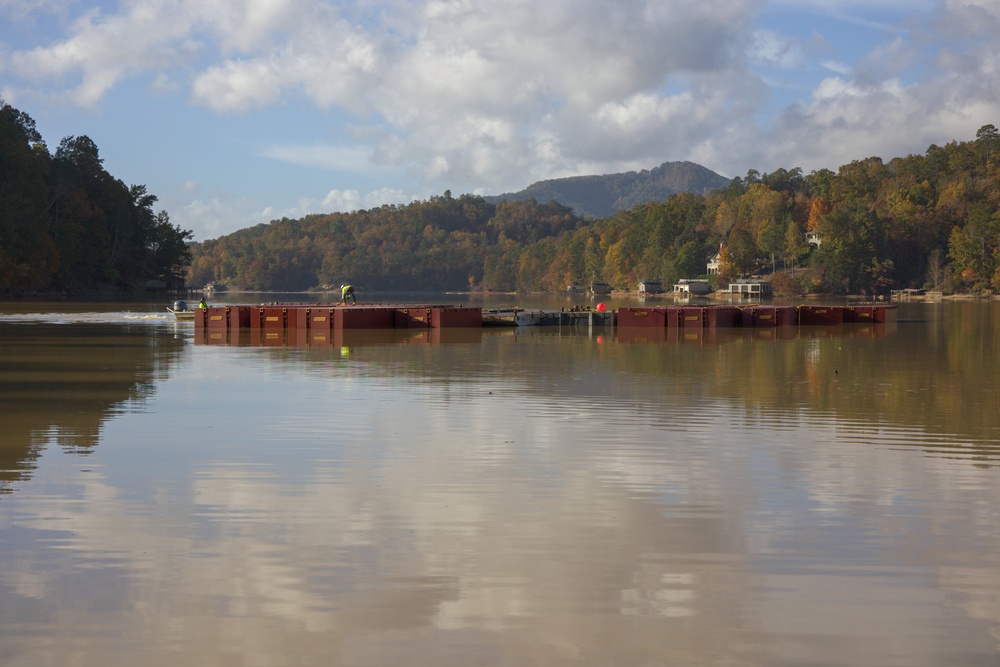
(714, 263)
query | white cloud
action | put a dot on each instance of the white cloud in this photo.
(239, 86)
(243, 26)
(355, 159)
(889, 60)
(352, 200)
(641, 108)
(163, 84)
(321, 57)
(838, 67)
(212, 218)
(342, 200)
(774, 49)
(986, 7)
(103, 50)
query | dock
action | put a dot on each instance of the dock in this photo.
(527, 317)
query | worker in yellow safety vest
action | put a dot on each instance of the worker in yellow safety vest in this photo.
(347, 292)
(202, 304)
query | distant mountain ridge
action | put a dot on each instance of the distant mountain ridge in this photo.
(603, 196)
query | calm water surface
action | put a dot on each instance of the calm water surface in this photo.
(830, 497)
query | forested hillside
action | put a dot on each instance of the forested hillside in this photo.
(922, 219)
(67, 225)
(440, 244)
(603, 196)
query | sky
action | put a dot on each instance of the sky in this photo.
(239, 112)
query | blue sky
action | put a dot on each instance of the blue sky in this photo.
(236, 112)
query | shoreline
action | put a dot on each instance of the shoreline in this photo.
(115, 295)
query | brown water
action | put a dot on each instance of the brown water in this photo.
(499, 498)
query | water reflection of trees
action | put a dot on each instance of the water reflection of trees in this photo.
(934, 375)
(934, 372)
(61, 383)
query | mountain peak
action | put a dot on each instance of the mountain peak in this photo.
(602, 196)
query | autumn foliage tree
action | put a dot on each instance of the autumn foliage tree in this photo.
(819, 208)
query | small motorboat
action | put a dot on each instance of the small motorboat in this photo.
(511, 318)
(181, 311)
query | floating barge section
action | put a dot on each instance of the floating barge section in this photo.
(754, 316)
(526, 317)
(708, 316)
(325, 317)
(320, 318)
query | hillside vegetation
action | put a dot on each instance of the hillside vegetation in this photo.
(931, 219)
(68, 226)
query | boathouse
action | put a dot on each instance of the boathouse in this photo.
(600, 288)
(909, 293)
(750, 288)
(650, 287)
(692, 287)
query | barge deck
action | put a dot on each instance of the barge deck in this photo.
(333, 317)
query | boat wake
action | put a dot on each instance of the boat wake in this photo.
(109, 317)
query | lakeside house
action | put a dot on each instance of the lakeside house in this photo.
(600, 288)
(916, 293)
(650, 287)
(213, 287)
(692, 287)
(749, 288)
(169, 284)
(715, 263)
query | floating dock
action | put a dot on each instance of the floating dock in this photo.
(526, 317)
(320, 318)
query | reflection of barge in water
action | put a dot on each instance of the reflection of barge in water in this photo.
(521, 317)
(330, 317)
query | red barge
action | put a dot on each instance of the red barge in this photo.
(323, 318)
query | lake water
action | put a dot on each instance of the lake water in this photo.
(515, 497)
